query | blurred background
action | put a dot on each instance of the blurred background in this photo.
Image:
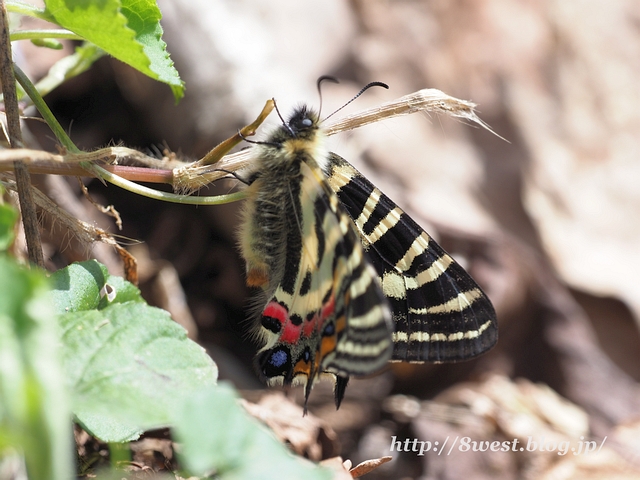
(548, 221)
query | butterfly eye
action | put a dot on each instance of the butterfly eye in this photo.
(307, 122)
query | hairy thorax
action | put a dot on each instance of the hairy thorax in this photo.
(272, 208)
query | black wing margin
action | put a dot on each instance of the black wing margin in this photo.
(440, 313)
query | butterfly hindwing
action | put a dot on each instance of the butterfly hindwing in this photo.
(440, 313)
(357, 307)
(324, 310)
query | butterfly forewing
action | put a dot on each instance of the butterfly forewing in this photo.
(440, 313)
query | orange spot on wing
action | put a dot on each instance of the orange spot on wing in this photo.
(302, 367)
(257, 278)
(327, 345)
(341, 324)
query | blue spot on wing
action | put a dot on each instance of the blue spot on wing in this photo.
(278, 358)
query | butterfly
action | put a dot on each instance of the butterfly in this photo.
(347, 280)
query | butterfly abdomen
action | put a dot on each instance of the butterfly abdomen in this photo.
(272, 200)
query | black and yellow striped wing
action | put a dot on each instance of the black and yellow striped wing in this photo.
(440, 313)
(347, 280)
(322, 309)
(328, 313)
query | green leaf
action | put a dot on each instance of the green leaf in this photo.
(35, 417)
(8, 217)
(129, 30)
(217, 434)
(144, 17)
(80, 287)
(122, 356)
(128, 364)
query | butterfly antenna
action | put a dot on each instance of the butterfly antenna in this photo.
(364, 89)
(286, 125)
(324, 78)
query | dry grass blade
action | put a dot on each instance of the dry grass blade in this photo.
(367, 466)
(191, 177)
(197, 174)
(84, 232)
(427, 100)
(113, 155)
(129, 262)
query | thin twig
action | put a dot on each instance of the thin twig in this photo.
(23, 178)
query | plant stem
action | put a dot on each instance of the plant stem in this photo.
(44, 33)
(119, 454)
(102, 173)
(23, 178)
(167, 197)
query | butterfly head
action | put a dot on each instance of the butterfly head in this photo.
(303, 124)
(299, 137)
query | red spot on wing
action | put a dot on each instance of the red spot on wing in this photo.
(317, 321)
(328, 308)
(310, 325)
(290, 333)
(277, 311)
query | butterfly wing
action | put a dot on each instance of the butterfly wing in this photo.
(328, 314)
(440, 313)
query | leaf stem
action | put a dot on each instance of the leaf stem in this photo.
(167, 197)
(44, 33)
(119, 454)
